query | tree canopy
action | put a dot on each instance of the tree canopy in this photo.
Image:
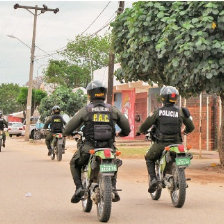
(172, 43)
(37, 96)
(63, 73)
(68, 101)
(8, 102)
(81, 57)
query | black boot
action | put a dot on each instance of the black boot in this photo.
(79, 192)
(153, 180)
(49, 151)
(3, 144)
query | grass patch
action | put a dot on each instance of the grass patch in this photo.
(133, 152)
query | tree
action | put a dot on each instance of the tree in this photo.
(37, 96)
(63, 73)
(174, 43)
(68, 101)
(8, 96)
(81, 57)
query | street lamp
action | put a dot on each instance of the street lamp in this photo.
(11, 36)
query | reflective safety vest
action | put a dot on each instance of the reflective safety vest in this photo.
(100, 125)
(168, 124)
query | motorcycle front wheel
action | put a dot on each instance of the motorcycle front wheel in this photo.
(104, 205)
(157, 194)
(178, 194)
(86, 202)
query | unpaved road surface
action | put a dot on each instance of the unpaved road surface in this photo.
(26, 170)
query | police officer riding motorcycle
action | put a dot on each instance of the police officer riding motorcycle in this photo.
(166, 123)
(55, 123)
(98, 120)
(3, 123)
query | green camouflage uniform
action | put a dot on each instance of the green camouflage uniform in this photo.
(81, 156)
(49, 137)
(155, 151)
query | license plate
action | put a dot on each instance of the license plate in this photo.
(108, 168)
(184, 161)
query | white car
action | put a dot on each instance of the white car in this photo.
(15, 129)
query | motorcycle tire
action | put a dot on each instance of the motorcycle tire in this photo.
(157, 194)
(87, 203)
(105, 203)
(52, 156)
(59, 152)
(178, 194)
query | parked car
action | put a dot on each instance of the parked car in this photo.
(16, 128)
(35, 127)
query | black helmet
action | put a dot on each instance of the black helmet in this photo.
(56, 110)
(169, 94)
(96, 90)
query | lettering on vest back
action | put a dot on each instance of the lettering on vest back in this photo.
(101, 118)
(100, 109)
(57, 120)
(168, 113)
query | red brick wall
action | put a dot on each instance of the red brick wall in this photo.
(213, 117)
(193, 105)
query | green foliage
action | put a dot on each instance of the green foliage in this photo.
(37, 96)
(172, 43)
(68, 101)
(63, 73)
(8, 96)
(81, 57)
(88, 51)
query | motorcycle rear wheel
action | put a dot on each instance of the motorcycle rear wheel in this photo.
(105, 203)
(59, 152)
(178, 194)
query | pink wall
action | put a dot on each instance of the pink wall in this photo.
(128, 108)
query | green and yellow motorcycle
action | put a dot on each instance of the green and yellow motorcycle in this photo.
(97, 181)
(170, 171)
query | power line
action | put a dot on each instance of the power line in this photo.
(107, 24)
(57, 51)
(95, 18)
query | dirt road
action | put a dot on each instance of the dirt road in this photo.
(36, 190)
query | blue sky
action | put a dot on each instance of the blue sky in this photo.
(53, 32)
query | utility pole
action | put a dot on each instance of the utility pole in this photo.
(29, 97)
(111, 62)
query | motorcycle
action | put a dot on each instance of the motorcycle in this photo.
(58, 146)
(170, 172)
(1, 139)
(96, 180)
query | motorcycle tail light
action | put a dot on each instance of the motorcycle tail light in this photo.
(20, 128)
(181, 148)
(60, 135)
(189, 147)
(118, 153)
(91, 151)
(107, 153)
(167, 148)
